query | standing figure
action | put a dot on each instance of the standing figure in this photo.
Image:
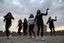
(19, 26)
(51, 24)
(31, 26)
(8, 22)
(39, 22)
(25, 26)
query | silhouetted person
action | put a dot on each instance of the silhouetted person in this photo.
(25, 26)
(8, 20)
(51, 24)
(31, 25)
(19, 26)
(40, 23)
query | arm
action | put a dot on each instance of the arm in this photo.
(35, 18)
(17, 26)
(4, 19)
(13, 18)
(46, 12)
(47, 22)
(55, 18)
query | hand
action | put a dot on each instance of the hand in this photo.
(56, 17)
(47, 9)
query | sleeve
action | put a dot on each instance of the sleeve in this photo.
(35, 18)
(47, 22)
(13, 18)
(44, 13)
(28, 22)
(4, 18)
(54, 19)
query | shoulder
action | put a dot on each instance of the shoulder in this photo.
(41, 13)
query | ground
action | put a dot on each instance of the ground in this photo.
(23, 39)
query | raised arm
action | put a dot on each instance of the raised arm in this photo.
(46, 12)
(55, 18)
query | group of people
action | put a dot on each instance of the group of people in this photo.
(38, 19)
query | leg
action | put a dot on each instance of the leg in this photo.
(42, 29)
(24, 31)
(38, 30)
(51, 30)
(54, 31)
(30, 30)
(7, 30)
(33, 30)
(19, 31)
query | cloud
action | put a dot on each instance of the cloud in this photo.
(23, 8)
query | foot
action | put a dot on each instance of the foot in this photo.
(30, 37)
(42, 38)
(36, 37)
(10, 36)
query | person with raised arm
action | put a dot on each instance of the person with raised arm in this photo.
(51, 25)
(39, 22)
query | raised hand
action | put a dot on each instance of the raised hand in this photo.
(55, 17)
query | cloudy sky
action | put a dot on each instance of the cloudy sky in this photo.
(23, 8)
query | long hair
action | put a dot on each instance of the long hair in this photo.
(19, 21)
(8, 14)
(25, 20)
(31, 16)
(38, 12)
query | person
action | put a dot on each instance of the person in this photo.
(25, 26)
(8, 22)
(39, 22)
(31, 25)
(19, 26)
(51, 24)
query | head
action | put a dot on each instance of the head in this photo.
(20, 21)
(38, 12)
(9, 14)
(49, 18)
(25, 20)
(31, 16)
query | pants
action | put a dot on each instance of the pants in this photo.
(19, 31)
(31, 27)
(7, 26)
(42, 29)
(25, 30)
(52, 30)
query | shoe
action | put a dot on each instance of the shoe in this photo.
(10, 36)
(42, 38)
(7, 37)
(36, 37)
(30, 37)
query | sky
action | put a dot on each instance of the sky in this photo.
(21, 9)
